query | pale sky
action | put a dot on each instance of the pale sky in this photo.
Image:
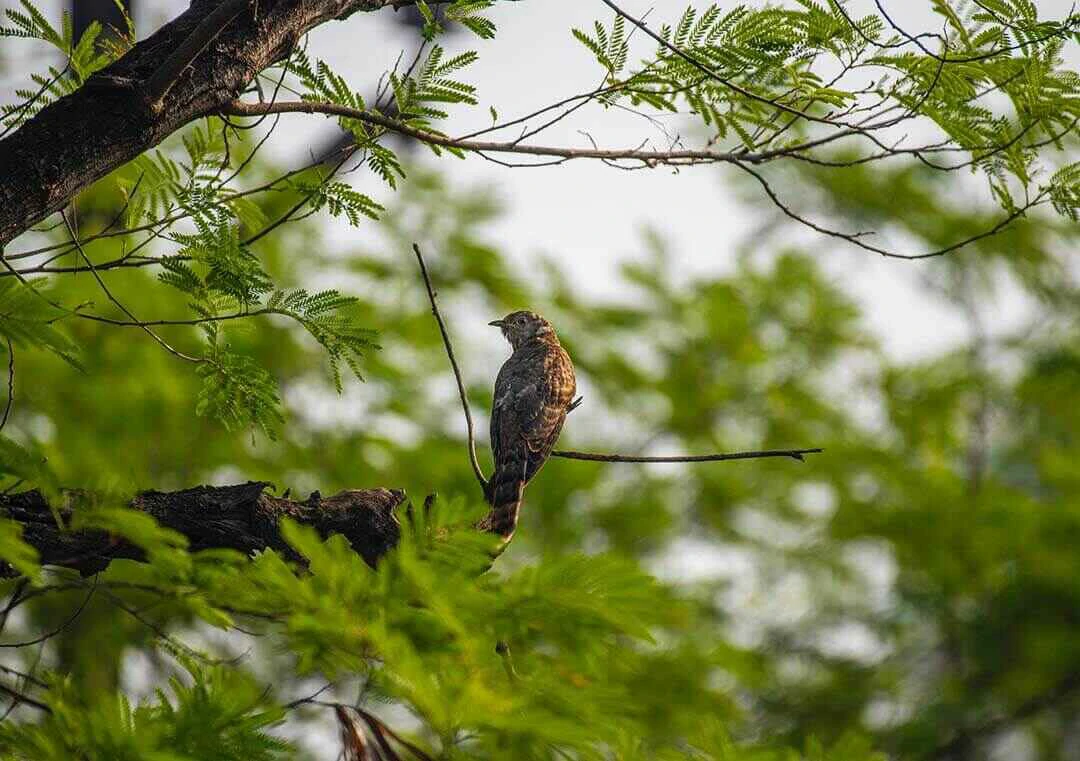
(587, 214)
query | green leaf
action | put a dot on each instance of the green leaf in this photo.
(16, 552)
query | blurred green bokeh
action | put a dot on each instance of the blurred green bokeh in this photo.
(912, 590)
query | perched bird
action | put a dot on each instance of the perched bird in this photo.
(533, 392)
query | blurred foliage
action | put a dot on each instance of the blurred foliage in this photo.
(910, 593)
(911, 588)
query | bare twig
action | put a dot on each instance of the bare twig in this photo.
(239, 108)
(175, 217)
(310, 698)
(67, 622)
(21, 698)
(114, 300)
(17, 598)
(10, 384)
(854, 238)
(795, 454)
(454, 365)
(652, 158)
(301, 203)
(28, 678)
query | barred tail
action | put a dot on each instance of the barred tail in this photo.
(504, 492)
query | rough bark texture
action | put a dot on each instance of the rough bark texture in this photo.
(239, 517)
(112, 119)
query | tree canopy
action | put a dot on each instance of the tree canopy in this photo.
(908, 593)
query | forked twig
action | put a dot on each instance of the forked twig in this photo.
(454, 365)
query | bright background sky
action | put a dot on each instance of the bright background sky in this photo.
(591, 216)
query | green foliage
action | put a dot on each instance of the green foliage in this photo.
(28, 316)
(340, 200)
(599, 658)
(238, 392)
(611, 49)
(229, 268)
(469, 13)
(743, 69)
(17, 553)
(333, 321)
(84, 57)
(215, 712)
(942, 519)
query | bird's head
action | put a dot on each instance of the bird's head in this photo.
(519, 327)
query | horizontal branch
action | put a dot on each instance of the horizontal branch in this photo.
(648, 157)
(795, 454)
(243, 518)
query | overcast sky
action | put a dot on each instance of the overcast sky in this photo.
(587, 214)
(590, 215)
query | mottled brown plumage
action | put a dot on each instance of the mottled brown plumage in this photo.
(533, 393)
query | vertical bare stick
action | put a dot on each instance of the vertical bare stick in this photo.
(454, 365)
(10, 384)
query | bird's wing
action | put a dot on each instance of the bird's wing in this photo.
(516, 403)
(532, 394)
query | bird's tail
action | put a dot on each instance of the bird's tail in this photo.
(504, 493)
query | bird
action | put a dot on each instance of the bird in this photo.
(533, 393)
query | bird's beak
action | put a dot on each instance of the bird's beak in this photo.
(496, 323)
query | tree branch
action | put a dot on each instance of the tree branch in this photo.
(795, 454)
(21, 698)
(242, 518)
(162, 80)
(106, 123)
(648, 157)
(652, 158)
(454, 366)
(10, 384)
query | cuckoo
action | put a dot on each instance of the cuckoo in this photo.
(533, 392)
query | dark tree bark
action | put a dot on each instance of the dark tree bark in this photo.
(242, 518)
(199, 61)
(85, 12)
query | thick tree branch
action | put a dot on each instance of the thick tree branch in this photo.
(109, 121)
(242, 518)
(162, 80)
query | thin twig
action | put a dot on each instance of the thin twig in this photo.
(28, 678)
(301, 203)
(310, 698)
(21, 698)
(114, 300)
(854, 238)
(67, 622)
(150, 226)
(10, 384)
(454, 365)
(14, 601)
(652, 158)
(795, 454)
